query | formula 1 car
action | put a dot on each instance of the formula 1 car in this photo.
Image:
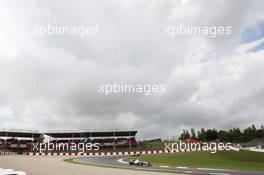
(137, 162)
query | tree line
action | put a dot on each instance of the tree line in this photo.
(235, 135)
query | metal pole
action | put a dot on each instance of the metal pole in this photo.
(32, 142)
(114, 141)
(5, 141)
(129, 140)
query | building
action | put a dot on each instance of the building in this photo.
(23, 140)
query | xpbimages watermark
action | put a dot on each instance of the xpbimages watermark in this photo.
(182, 146)
(65, 147)
(190, 30)
(143, 89)
(78, 31)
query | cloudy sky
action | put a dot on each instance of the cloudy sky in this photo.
(51, 81)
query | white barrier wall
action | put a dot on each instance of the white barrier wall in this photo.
(127, 153)
(253, 149)
(7, 153)
(11, 172)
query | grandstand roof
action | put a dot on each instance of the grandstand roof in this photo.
(25, 134)
(91, 134)
(68, 134)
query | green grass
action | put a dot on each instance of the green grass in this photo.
(153, 145)
(242, 160)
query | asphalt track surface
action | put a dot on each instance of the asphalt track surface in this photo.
(54, 165)
(113, 162)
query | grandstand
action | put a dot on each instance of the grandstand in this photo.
(18, 140)
(22, 140)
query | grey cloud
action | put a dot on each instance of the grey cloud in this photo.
(55, 79)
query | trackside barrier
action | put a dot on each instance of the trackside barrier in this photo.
(4, 153)
(253, 149)
(11, 172)
(127, 153)
(234, 148)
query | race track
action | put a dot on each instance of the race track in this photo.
(54, 165)
(50, 165)
(115, 162)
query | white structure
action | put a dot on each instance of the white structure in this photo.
(11, 172)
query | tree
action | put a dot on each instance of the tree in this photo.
(237, 135)
(254, 132)
(248, 134)
(202, 135)
(223, 136)
(198, 135)
(193, 134)
(184, 135)
(260, 133)
(211, 135)
(232, 135)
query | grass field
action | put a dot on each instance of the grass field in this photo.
(241, 160)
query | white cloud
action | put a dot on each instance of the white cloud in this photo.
(6, 112)
(210, 82)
